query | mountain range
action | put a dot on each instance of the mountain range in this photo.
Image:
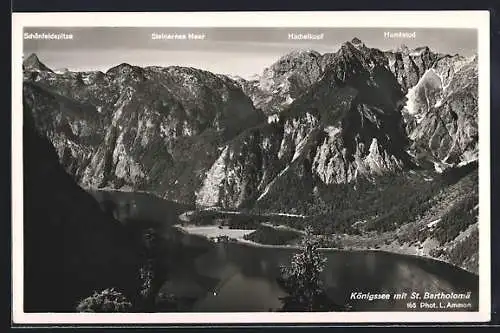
(371, 146)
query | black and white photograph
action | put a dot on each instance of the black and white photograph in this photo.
(252, 169)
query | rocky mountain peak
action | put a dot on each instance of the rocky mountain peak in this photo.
(125, 69)
(346, 46)
(284, 80)
(126, 76)
(294, 60)
(32, 63)
(357, 42)
(122, 66)
(409, 65)
(420, 51)
(356, 50)
(402, 49)
(357, 62)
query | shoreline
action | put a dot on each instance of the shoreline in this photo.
(92, 190)
(188, 230)
(241, 241)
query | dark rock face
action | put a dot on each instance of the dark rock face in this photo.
(71, 247)
(294, 74)
(284, 81)
(196, 137)
(346, 126)
(409, 66)
(442, 112)
(32, 63)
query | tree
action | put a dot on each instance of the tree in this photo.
(147, 275)
(107, 300)
(148, 272)
(302, 279)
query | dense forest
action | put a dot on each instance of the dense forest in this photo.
(382, 204)
(272, 236)
(465, 249)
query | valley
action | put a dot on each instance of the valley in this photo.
(376, 151)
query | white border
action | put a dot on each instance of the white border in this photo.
(417, 19)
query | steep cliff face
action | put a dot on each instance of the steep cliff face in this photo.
(75, 130)
(409, 66)
(71, 247)
(364, 130)
(251, 163)
(442, 111)
(33, 64)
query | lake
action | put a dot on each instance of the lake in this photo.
(234, 277)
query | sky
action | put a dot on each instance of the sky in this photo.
(234, 51)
